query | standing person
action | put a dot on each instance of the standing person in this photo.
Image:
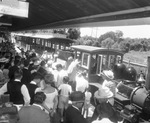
(13, 68)
(73, 112)
(108, 77)
(104, 99)
(81, 82)
(34, 113)
(72, 73)
(26, 73)
(87, 102)
(64, 90)
(60, 75)
(51, 95)
(33, 86)
(19, 94)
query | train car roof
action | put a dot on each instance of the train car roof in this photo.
(52, 37)
(77, 13)
(92, 49)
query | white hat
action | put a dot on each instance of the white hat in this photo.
(103, 92)
(108, 73)
(104, 120)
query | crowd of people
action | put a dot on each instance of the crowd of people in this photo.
(43, 89)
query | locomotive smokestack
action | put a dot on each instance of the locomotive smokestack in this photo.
(147, 84)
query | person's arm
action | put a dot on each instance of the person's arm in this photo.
(55, 102)
(3, 89)
(25, 94)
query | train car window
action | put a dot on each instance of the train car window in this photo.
(53, 46)
(85, 60)
(111, 61)
(79, 55)
(94, 64)
(118, 59)
(33, 41)
(42, 42)
(46, 44)
(99, 64)
(104, 62)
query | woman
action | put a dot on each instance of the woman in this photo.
(51, 94)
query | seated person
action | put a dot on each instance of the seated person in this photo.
(34, 113)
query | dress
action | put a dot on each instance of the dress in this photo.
(50, 99)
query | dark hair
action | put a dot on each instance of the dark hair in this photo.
(26, 63)
(42, 63)
(65, 79)
(17, 62)
(77, 96)
(38, 76)
(7, 65)
(58, 66)
(39, 97)
(18, 73)
(49, 78)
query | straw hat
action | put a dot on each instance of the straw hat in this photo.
(103, 92)
(108, 73)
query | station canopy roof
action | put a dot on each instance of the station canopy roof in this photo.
(48, 14)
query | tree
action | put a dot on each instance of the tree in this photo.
(107, 43)
(73, 33)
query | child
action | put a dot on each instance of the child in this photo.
(64, 91)
(87, 102)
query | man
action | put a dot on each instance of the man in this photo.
(33, 86)
(26, 73)
(73, 112)
(19, 94)
(34, 113)
(81, 82)
(13, 69)
(61, 74)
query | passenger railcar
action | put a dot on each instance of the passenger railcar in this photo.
(43, 42)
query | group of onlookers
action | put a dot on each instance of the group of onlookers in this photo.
(43, 89)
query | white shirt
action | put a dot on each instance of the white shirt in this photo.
(38, 106)
(81, 84)
(24, 91)
(65, 89)
(37, 89)
(61, 74)
(88, 96)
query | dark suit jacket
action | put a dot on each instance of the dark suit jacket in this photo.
(73, 115)
(26, 78)
(33, 114)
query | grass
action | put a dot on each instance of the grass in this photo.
(139, 58)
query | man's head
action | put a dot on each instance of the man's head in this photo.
(65, 79)
(39, 98)
(59, 67)
(77, 99)
(18, 74)
(49, 79)
(26, 63)
(37, 78)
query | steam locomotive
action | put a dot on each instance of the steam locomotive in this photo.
(132, 100)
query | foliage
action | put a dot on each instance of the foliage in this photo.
(73, 33)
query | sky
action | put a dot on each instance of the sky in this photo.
(141, 31)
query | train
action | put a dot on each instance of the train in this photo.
(132, 101)
(44, 42)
